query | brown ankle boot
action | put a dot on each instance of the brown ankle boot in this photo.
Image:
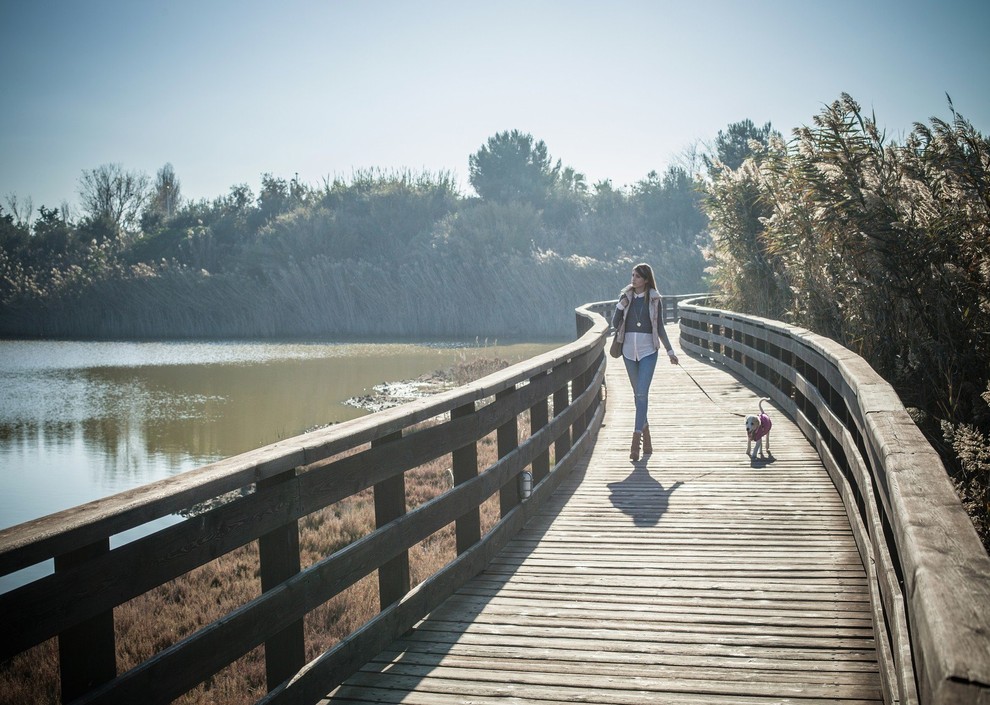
(647, 441)
(634, 449)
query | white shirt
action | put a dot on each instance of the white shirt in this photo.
(636, 345)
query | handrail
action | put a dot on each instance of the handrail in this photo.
(929, 574)
(291, 479)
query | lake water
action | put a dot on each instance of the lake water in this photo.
(83, 420)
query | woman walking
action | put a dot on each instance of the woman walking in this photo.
(639, 327)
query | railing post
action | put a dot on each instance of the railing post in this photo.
(465, 467)
(508, 440)
(590, 412)
(578, 385)
(278, 554)
(539, 416)
(390, 504)
(86, 652)
(562, 444)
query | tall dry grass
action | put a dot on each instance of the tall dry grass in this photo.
(426, 297)
(162, 617)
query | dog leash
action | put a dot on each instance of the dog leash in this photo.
(691, 377)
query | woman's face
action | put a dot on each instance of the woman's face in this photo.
(638, 281)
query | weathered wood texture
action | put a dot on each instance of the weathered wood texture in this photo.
(691, 576)
(930, 576)
(278, 485)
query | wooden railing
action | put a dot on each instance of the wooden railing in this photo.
(929, 574)
(283, 482)
(671, 302)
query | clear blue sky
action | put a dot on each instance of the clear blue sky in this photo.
(228, 90)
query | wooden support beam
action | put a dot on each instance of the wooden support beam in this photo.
(278, 550)
(390, 504)
(465, 467)
(508, 440)
(86, 652)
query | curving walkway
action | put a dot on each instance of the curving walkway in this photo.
(691, 576)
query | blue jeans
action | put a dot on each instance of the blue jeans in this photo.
(641, 376)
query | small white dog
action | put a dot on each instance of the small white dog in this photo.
(758, 431)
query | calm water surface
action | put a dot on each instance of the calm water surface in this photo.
(84, 420)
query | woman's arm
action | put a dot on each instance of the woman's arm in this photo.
(617, 317)
(662, 332)
(664, 339)
(619, 312)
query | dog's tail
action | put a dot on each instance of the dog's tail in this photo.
(761, 404)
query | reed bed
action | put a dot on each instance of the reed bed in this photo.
(424, 297)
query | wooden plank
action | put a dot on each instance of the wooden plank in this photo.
(925, 537)
(691, 576)
(780, 664)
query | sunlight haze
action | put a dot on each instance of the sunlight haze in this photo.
(226, 91)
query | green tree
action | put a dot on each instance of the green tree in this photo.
(735, 144)
(566, 203)
(166, 194)
(671, 206)
(14, 233)
(53, 232)
(163, 201)
(484, 230)
(512, 166)
(274, 199)
(383, 214)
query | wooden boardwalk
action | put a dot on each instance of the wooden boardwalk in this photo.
(691, 576)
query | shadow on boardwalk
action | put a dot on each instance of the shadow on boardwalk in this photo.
(641, 496)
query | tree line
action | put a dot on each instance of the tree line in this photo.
(395, 254)
(881, 246)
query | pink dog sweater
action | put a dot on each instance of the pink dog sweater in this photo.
(764, 428)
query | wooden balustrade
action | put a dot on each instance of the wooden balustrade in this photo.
(280, 484)
(929, 574)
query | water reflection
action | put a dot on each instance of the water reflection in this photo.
(80, 421)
